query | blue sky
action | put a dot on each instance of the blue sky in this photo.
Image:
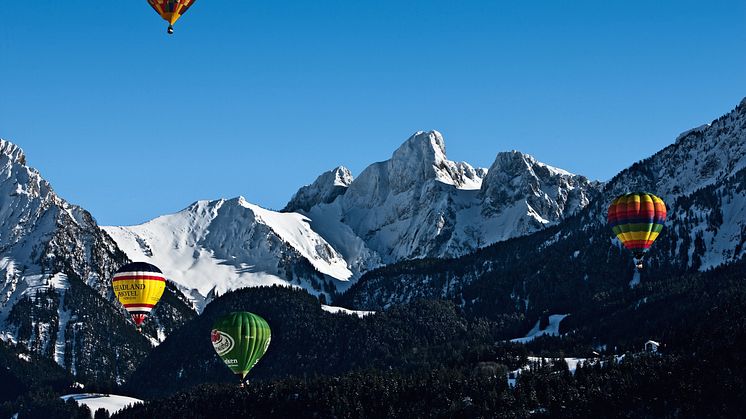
(260, 99)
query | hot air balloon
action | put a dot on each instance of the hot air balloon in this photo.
(138, 286)
(637, 219)
(171, 10)
(240, 339)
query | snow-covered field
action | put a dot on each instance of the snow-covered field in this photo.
(111, 402)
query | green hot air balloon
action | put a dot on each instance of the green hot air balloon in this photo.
(240, 339)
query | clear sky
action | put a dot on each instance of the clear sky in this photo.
(258, 97)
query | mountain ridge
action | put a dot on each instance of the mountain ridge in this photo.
(416, 204)
(562, 267)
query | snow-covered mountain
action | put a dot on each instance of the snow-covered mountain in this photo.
(217, 246)
(702, 179)
(420, 204)
(325, 189)
(55, 261)
(40, 232)
(417, 204)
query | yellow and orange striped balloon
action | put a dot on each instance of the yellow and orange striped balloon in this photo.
(138, 286)
(171, 10)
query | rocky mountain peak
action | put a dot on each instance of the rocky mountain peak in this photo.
(549, 193)
(517, 163)
(342, 176)
(417, 160)
(325, 189)
(12, 152)
(423, 157)
(422, 146)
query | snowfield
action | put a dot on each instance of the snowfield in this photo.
(111, 402)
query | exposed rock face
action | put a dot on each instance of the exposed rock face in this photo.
(420, 204)
(325, 189)
(55, 264)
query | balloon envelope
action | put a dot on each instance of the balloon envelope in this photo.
(138, 286)
(171, 10)
(240, 339)
(637, 220)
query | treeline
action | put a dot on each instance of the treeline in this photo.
(307, 341)
(643, 386)
(680, 311)
(428, 358)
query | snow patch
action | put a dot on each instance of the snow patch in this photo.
(334, 310)
(111, 402)
(552, 329)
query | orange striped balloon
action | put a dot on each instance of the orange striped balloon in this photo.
(171, 10)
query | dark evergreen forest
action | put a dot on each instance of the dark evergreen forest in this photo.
(434, 359)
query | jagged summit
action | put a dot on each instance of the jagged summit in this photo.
(12, 152)
(325, 189)
(423, 157)
(423, 148)
(416, 204)
(420, 204)
(516, 161)
(547, 193)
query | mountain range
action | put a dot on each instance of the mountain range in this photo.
(416, 204)
(700, 177)
(519, 237)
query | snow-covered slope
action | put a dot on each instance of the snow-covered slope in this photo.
(40, 233)
(336, 310)
(217, 246)
(699, 157)
(702, 179)
(551, 329)
(52, 256)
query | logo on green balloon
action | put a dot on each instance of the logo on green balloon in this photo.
(222, 342)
